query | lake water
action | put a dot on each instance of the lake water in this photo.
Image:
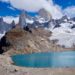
(46, 60)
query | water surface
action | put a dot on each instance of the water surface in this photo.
(44, 60)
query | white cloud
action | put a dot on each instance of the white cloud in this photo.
(9, 19)
(34, 6)
(54, 11)
(11, 8)
(69, 11)
(29, 5)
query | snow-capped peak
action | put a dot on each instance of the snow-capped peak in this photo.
(65, 34)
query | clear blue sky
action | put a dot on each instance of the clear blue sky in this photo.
(5, 10)
(65, 3)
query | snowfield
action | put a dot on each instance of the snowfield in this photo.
(64, 35)
(29, 21)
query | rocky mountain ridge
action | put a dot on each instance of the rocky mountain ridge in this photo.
(42, 20)
(32, 34)
(5, 26)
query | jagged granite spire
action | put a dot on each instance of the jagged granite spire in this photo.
(13, 24)
(44, 14)
(4, 26)
(1, 21)
(22, 20)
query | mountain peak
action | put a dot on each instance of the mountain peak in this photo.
(13, 24)
(1, 20)
(22, 19)
(44, 14)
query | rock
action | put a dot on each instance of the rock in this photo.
(22, 20)
(4, 26)
(44, 14)
(13, 24)
(1, 20)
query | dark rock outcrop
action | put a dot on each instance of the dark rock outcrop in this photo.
(3, 43)
(13, 24)
(27, 29)
(73, 26)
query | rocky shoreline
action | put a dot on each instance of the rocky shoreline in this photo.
(7, 68)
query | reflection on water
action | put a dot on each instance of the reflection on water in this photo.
(51, 59)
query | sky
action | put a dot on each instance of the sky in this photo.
(65, 3)
(13, 7)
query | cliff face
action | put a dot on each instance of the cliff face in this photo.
(44, 14)
(22, 20)
(6, 26)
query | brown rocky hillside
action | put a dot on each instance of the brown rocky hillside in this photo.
(25, 42)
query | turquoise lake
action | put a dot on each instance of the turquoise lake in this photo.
(46, 60)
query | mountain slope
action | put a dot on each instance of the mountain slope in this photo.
(65, 33)
(25, 42)
(62, 29)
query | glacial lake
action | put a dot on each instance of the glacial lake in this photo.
(46, 60)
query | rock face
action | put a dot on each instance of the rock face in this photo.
(38, 21)
(1, 20)
(44, 14)
(22, 20)
(42, 20)
(13, 24)
(4, 26)
(3, 44)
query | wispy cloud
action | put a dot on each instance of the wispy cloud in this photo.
(33, 6)
(69, 11)
(12, 8)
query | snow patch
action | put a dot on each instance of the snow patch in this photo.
(64, 36)
(2, 34)
(29, 21)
